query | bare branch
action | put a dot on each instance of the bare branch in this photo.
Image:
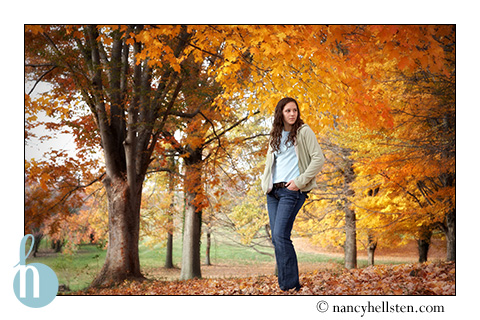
(73, 190)
(169, 170)
(236, 124)
(41, 77)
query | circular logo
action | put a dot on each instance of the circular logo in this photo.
(35, 284)
(322, 306)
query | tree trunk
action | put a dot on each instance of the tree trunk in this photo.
(57, 245)
(191, 241)
(351, 239)
(372, 246)
(38, 236)
(450, 232)
(350, 246)
(207, 250)
(169, 254)
(424, 244)
(193, 217)
(122, 261)
(171, 189)
(127, 107)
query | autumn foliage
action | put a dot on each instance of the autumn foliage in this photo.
(410, 279)
(194, 103)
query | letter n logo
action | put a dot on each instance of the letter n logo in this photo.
(35, 285)
(23, 281)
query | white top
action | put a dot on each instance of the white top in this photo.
(285, 167)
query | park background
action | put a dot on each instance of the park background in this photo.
(170, 125)
(14, 251)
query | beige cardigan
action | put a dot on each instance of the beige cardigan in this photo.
(310, 161)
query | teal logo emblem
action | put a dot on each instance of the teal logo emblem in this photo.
(35, 284)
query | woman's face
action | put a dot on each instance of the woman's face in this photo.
(290, 114)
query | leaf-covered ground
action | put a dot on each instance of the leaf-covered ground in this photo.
(406, 279)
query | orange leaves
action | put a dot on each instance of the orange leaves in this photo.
(412, 279)
(327, 66)
(69, 229)
(406, 63)
(401, 139)
(341, 75)
(415, 46)
(35, 29)
(386, 33)
(44, 178)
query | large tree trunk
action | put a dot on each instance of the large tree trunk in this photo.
(130, 105)
(191, 241)
(350, 239)
(193, 217)
(122, 261)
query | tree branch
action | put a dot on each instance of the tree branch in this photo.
(185, 115)
(69, 193)
(236, 124)
(173, 142)
(169, 170)
(41, 77)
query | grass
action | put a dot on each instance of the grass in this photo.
(77, 271)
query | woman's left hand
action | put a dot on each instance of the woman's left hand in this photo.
(292, 186)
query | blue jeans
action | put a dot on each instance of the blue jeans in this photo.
(283, 206)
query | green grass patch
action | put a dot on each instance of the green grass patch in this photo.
(75, 271)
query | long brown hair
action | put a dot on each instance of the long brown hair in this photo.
(276, 133)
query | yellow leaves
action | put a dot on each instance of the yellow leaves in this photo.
(249, 216)
(268, 49)
(159, 205)
(281, 36)
(156, 46)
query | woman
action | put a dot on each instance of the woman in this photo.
(294, 158)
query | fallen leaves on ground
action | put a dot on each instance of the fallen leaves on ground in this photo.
(406, 279)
